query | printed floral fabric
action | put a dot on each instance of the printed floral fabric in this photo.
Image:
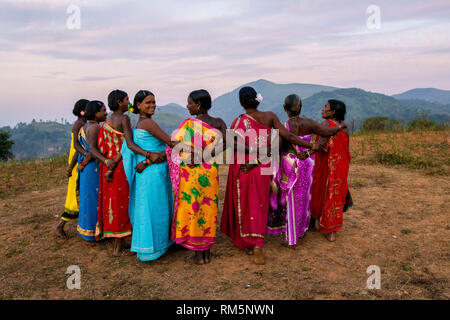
(196, 190)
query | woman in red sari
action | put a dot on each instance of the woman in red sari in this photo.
(246, 205)
(113, 220)
(330, 187)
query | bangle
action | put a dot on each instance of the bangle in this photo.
(148, 161)
(106, 162)
(147, 154)
(257, 161)
(307, 152)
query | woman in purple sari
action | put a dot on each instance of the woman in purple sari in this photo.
(291, 186)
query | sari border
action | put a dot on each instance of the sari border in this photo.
(254, 235)
(84, 232)
(251, 118)
(194, 120)
(107, 127)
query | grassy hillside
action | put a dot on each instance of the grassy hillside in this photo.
(32, 176)
(426, 151)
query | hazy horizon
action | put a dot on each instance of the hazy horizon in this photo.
(176, 47)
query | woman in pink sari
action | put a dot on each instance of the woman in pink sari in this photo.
(246, 205)
(291, 199)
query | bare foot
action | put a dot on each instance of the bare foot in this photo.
(331, 236)
(312, 224)
(126, 244)
(198, 259)
(287, 245)
(118, 247)
(59, 229)
(207, 256)
(259, 256)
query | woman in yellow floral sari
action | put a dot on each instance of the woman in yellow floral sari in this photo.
(196, 183)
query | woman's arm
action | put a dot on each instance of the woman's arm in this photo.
(92, 140)
(126, 125)
(75, 130)
(151, 126)
(155, 157)
(72, 164)
(324, 131)
(290, 137)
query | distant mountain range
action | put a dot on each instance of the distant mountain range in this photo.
(427, 94)
(46, 138)
(360, 104)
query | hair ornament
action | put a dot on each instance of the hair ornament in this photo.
(259, 97)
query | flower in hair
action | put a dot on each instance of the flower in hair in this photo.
(82, 112)
(259, 97)
(130, 108)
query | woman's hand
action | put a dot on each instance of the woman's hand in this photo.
(316, 147)
(302, 155)
(247, 167)
(156, 157)
(343, 126)
(109, 175)
(141, 166)
(110, 163)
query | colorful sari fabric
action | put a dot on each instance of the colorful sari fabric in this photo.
(294, 179)
(71, 205)
(89, 179)
(151, 203)
(196, 190)
(113, 220)
(330, 187)
(246, 204)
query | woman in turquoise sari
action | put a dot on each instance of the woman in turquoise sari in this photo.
(151, 200)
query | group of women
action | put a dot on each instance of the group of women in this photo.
(136, 182)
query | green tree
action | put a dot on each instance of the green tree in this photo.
(5, 146)
(421, 123)
(381, 124)
(375, 124)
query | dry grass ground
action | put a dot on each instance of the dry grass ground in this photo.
(399, 222)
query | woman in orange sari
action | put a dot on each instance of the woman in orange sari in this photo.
(196, 183)
(330, 187)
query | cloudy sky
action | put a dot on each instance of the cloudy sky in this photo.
(173, 47)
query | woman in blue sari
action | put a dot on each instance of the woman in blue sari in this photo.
(151, 200)
(89, 170)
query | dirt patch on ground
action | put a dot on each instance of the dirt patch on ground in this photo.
(399, 222)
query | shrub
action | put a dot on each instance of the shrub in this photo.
(381, 124)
